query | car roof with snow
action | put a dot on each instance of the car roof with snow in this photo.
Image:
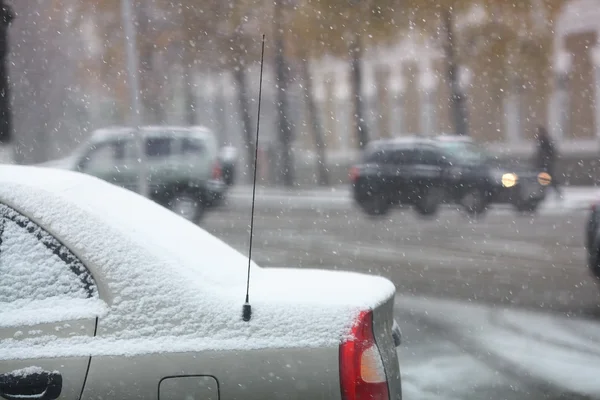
(413, 140)
(160, 274)
(116, 132)
(403, 142)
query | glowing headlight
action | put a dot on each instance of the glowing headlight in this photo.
(509, 180)
(544, 178)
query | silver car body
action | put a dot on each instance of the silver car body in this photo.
(162, 171)
(126, 306)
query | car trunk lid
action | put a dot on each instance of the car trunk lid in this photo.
(368, 358)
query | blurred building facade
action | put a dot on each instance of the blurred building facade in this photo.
(510, 85)
(509, 92)
(510, 89)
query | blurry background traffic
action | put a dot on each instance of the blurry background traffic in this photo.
(338, 74)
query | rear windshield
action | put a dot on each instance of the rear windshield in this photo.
(377, 156)
(464, 152)
(397, 156)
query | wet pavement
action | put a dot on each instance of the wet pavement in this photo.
(534, 261)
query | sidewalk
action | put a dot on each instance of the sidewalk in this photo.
(268, 191)
(339, 197)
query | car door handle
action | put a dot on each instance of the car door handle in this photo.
(41, 385)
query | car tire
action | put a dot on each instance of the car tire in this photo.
(429, 201)
(187, 205)
(376, 205)
(474, 202)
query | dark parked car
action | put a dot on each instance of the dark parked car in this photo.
(426, 173)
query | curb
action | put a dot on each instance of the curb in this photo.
(279, 203)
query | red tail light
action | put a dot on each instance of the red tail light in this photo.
(362, 373)
(217, 173)
(353, 174)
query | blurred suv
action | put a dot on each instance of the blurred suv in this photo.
(426, 173)
(183, 167)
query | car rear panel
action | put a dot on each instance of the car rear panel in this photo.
(383, 320)
(277, 374)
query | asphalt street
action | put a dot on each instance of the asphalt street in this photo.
(501, 263)
(535, 261)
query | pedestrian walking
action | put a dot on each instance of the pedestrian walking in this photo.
(546, 157)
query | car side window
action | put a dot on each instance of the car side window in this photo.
(191, 146)
(107, 154)
(158, 147)
(430, 157)
(403, 157)
(125, 151)
(36, 266)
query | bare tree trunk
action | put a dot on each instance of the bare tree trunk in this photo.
(190, 95)
(316, 123)
(458, 99)
(151, 100)
(220, 116)
(356, 78)
(6, 128)
(284, 126)
(242, 92)
(6, 132)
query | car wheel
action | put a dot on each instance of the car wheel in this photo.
(187, 206)
(594, 263)
(376, 205)
(474, 202)
(429, 201)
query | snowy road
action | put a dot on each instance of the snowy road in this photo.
(340, 198)
(455, 350)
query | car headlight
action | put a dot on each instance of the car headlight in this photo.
(509, 180)
(544, 178)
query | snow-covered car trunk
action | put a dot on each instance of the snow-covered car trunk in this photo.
(161, 307)
(352, 362)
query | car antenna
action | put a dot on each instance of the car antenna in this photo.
(247, 308)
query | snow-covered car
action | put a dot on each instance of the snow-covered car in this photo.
(99, 301)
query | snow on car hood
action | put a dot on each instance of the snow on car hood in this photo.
(170, 285)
